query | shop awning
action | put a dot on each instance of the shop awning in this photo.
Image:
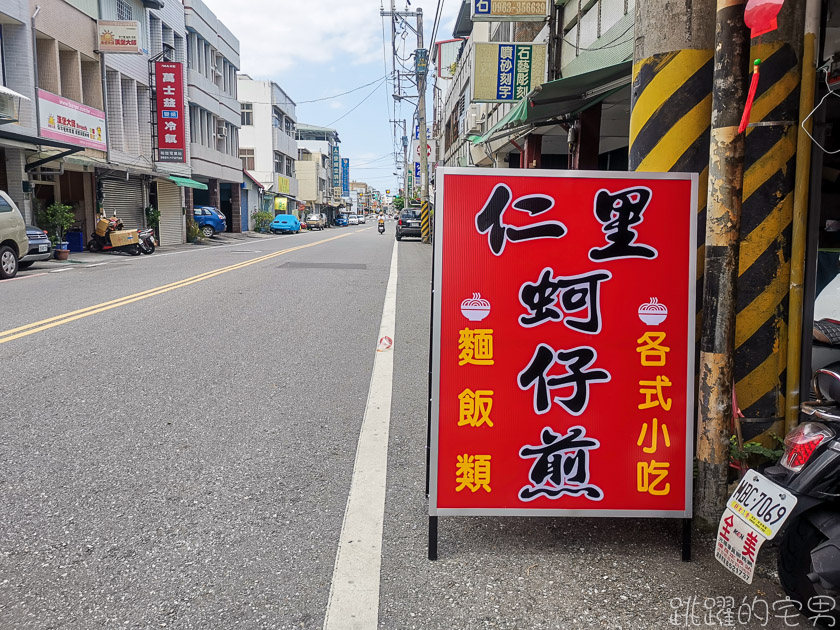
(12, 93)
(186, 182)
(34, 142)
(561, 99)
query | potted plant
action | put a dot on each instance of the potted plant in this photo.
(57, 219)
(153, 219)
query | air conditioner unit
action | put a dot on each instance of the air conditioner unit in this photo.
(473, 119)
(221, 131)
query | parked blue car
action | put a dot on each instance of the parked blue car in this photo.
(209, 220)
(285, 223)
(341, 220)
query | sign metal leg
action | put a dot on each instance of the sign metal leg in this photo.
(686, 540)
(433, 537)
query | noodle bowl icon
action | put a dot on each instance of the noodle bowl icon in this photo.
(475, 308)
(653, 312)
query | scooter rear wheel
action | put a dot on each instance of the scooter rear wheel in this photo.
(800, 538)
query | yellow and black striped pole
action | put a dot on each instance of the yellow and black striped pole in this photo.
(672, 97)
(424, 221)
(761, 333)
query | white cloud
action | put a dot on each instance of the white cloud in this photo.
(275, 36)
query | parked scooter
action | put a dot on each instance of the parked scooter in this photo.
(146, 241)
(800, 499)
(111, 237)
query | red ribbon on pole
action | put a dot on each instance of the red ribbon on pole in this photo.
(745, 119)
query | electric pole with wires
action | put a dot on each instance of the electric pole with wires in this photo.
(421, 64)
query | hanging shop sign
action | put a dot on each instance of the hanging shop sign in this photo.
(171, 123)
(563, 343)
(447, 57)
(345, 177)
(281, 205)
(336, 167)
(509, 10)
(506, 72)
(284, 185)
(119, 36)
(69, 121)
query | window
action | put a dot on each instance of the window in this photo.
(4, 205)
(123, 10)
(276, 119)
(278, 162)
(247, 114)
(288, 126)
(290, 167)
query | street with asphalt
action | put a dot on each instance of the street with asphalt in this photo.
(198, 438)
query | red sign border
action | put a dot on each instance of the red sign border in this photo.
(437, 283)
(181, 106)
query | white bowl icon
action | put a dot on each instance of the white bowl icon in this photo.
(475, 308)
(653, 312)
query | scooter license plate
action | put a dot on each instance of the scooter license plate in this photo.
(762, 504)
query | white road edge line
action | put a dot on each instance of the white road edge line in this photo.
(354, 592)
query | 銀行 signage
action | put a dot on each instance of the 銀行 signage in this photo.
(69, 121)
(563, 343)
(171, 123)
(506, 72)
(509, 10)
(119, 37)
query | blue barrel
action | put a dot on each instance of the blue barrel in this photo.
(76, 241)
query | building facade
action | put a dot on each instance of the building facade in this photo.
(56, 114)
(267, 142)
(321, 145)
(214, 113)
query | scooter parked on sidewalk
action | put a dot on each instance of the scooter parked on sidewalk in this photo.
(110, 236)
(798, 498)
(146, 241)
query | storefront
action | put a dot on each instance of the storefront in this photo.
(126, 196)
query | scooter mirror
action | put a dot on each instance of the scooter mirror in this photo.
(826, 382)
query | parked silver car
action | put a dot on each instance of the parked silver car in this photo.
(13, 241)
(315, 222)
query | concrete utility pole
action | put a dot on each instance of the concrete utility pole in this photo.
(421, 119)
(723, 225)
(422, 141)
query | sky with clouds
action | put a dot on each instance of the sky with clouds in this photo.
(319, 48)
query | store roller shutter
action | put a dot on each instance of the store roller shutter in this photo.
(125, 197)
(171, 216)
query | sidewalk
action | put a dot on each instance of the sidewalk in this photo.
(227, 238)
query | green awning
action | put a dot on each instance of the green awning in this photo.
(561, 99)
(186, 182)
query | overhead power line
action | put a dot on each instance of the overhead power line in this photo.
(356, 89)
(372, 92)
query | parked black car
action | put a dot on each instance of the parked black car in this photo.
(40, 247)
(409, 223)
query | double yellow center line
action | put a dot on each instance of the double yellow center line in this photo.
(58, 320)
